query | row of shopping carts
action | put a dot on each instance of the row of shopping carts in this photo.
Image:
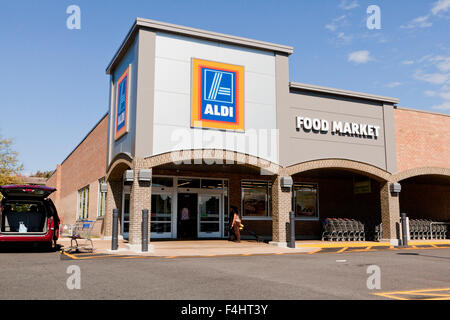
(343, 229)
(423, 229)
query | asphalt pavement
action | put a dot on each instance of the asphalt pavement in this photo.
(32, 274)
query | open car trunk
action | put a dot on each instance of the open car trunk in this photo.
(24, 210)
(24, 217)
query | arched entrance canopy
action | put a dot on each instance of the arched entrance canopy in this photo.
(120, 163)
(212, 156)
(423, 171)
(348, 165)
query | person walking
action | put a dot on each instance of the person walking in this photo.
(235, 219)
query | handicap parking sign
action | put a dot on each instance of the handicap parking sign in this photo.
(217, 95)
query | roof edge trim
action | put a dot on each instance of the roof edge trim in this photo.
(195, 33)
(340, 92)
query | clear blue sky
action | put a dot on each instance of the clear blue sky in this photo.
(54, 88)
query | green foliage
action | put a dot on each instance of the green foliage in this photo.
(42, 174)
(10, 167)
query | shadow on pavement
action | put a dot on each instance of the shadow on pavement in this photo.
(23, 247)
(421, 255)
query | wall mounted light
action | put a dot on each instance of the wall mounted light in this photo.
(145, 175)
(396, 187)
(128, 176)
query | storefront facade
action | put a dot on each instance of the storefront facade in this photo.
(200, 121)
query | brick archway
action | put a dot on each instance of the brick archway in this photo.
(348, 165)
(119, 164)
(389, 205)
(114, 175)
(422, 171)
(210, 156)
(425, 193)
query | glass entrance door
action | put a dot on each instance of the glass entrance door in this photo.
(209, 215)
(187, 216)
(161, 215)
(125, 223)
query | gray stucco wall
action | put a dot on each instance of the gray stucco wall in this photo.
(126, 143)
(145, 94)
(297, 146)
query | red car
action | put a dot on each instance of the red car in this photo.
(27, 215)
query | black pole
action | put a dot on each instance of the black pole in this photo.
(404, 230)
(144, 228)
(292, 221)
(115, 230)
(292, 229)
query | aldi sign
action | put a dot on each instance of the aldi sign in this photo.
(121, 125)
(217, 95)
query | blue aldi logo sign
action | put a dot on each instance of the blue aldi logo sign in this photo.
(217, 95)
(121, 107)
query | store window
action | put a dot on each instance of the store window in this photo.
(83, 203)
(162, 182)
(255, 198)
(101, 199)
(189, 183)
(306, 200)
(212, 184)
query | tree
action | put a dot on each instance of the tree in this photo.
(42, 174)
(10, 167)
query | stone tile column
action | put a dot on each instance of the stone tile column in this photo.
(113, 201)
(281, 206)
(390, 214)
(140, 198)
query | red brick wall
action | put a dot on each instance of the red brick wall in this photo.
(55, 182)
(83, 167)
(423, 139)
(88, 161)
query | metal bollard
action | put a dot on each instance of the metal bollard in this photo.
(404, 229)
(144, 228)
(115, 230)
(292, 229)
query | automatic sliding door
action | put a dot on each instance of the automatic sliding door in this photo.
(209, 216)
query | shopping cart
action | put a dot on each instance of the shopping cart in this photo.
(82, 231)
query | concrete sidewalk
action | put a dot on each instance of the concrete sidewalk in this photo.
(352, 244)
(190, 248)
(213, 248)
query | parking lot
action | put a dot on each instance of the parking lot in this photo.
(405, 274)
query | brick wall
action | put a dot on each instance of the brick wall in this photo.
(423, 139)
(84, 166)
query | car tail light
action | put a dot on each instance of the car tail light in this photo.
(50, 224)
